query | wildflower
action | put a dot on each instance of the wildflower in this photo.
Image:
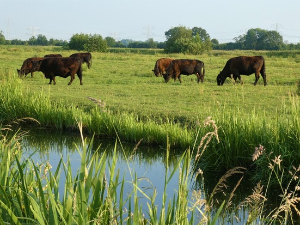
(271, 166)
(277, 161)
(258, 152)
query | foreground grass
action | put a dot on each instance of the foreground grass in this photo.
(95, 194)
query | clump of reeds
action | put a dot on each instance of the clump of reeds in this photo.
(289, 205)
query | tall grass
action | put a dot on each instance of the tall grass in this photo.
(30, 192)
(239, 133)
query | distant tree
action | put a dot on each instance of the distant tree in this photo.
(77, 41)
(204, 36)
(56, 42)
(41, 40)
(95, 43)
(178, 39)
(260, 39)
(119, 44)
(184, 40)
(150, 43)
(161, 45)
(111, 42)
(126, 42)
(214, 41)
(2, 38)
(32, 40)
(17, 42)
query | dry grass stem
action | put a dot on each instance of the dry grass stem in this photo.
(98, 102)
(208, 137)
(258, 152)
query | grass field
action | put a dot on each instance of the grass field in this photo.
(125, 82)
(246, 115)
(139, 105)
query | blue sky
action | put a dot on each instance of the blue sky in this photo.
(143, 19)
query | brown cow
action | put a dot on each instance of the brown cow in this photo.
(85, 57)
(243, 65)
(186, 67)
(27, 66)
(53, 55)
(60, 66)
(161, 65)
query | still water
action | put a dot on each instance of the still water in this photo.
(148, 163)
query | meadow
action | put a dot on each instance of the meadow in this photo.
(121, 98)
(139, 105)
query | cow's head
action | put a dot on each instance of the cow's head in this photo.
(220, 79)
(20, 72)
(167, 77)
(156, 73)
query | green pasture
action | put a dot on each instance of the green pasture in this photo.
(142, 106)
(125, 82)
(122, 99)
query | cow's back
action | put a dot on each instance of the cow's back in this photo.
(60, 66)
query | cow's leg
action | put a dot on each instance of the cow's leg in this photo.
(256, 77)
(53, 78)
(72, 78)
(31, 74)
(79, 74)
(263, 74)
(179, 77)
(236, 75)
(198, 77)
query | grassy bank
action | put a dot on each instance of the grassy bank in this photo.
(30, 192)
(239, 131)
(121, 97)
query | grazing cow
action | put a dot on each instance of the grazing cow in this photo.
(53, 55)
(243, 65)
(61, 66)
(161, 65)
(85, 57)
(186, 67)
(27, 66)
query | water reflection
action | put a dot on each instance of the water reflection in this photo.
(50, 146)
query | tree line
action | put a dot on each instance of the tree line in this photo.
(178, 40)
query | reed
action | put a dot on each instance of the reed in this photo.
(30, 192)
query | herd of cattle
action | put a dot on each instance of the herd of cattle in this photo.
(237, 66)
(55, 65)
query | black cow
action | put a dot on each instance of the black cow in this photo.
(243, 65)
(186, 67)
(53, 55)
(85, 57)
(61, 66)
(27, 66)
(161, 65)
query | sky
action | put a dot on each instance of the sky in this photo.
(140, 20)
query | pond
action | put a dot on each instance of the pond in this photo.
(148, 163)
